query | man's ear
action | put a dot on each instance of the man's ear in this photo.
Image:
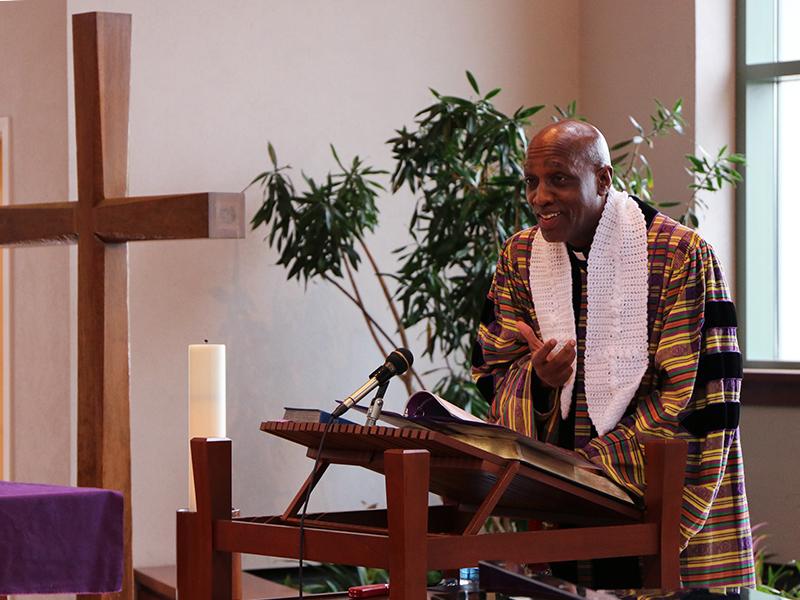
(604, 178)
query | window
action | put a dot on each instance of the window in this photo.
(768, 80)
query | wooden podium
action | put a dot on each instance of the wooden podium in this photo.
(410, 537)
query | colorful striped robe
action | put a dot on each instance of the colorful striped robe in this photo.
(690, 391)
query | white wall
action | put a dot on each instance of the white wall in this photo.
(211, 83)
(210, 86)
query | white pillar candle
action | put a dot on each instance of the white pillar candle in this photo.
(206, 396)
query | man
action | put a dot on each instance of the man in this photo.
(609, 323)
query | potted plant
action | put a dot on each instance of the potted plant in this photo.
(463, 158)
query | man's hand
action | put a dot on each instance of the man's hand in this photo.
(553, 370)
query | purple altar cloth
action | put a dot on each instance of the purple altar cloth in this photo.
(57, 539)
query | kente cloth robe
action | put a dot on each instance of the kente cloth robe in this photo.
(690, 390)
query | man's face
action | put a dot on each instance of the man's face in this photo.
(563, 190)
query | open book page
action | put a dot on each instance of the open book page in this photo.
(425, 407)
(549, 458)
(428, 404)
(428, 411)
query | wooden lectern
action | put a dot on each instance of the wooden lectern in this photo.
(410, 537)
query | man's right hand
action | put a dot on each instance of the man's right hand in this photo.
(553, 369)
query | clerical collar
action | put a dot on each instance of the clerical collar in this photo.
(581, 255)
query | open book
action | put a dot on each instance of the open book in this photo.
(425, 410)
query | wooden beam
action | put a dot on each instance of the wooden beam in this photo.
(761, 387)
(40, 224)
(665, 472)
(185, 216)
(102, 77)
(407, 482)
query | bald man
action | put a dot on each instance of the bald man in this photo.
(609, 323)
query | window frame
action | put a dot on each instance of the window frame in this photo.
(747, 74)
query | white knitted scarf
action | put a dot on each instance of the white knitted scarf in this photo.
(616, 354)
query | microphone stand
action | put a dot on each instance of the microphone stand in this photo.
(376, 405)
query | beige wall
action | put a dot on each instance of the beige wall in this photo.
(632, 52)
(769, 434)
(715, 117)
(771, 448)
(33, 93)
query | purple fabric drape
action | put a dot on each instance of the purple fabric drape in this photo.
(57, 539)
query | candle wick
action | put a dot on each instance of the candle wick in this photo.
(206, 341)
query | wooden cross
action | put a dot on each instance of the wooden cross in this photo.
(101, 222)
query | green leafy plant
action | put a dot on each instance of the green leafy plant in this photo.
(760, 554)
(464, 160)
(339, 578)
(779, 580)
(774, 578)
(710, 173)
(632, 172)
(319, 232)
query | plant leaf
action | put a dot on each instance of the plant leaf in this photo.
(473, 83)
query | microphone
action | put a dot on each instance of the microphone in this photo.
(396, 363)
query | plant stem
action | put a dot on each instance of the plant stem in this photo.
(400, 329)
(367, 317)
(634, 156)
(495, 238)
(371, 323)
(690, 206)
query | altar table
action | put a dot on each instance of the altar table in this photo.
(57, 539)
